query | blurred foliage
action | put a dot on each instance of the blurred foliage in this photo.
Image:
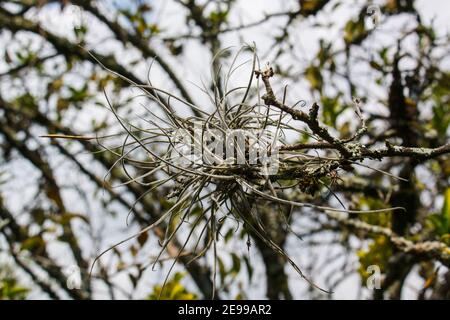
(10, 289)
(440, 222)
(173, 290)
(70, 85)
(378, 254)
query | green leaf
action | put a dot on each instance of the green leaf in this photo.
(236, 267)
(314, 77)
(67, 217)
(440, 222)
(332, 108)
(218, 17)
(33, 243)
(173, 290)
(222, 269)
(249, 267)
(354, 31)
(142, 238)
(375, 65)
(445, 213)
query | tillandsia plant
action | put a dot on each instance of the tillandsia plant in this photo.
(227, 165)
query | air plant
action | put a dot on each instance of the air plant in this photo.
(188, 155)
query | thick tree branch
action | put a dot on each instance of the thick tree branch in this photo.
(425, 250)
